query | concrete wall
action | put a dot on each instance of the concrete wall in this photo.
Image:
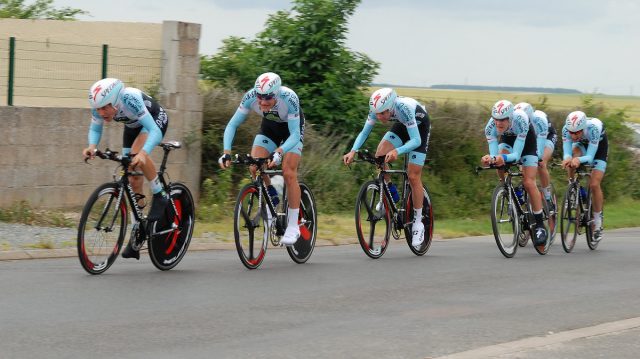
(40, 158)
(56, 61)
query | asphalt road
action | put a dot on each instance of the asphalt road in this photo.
(462, 300)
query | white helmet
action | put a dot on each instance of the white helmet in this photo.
(540, 114)
(576, 121)
(104, 92)
(527, 108)
(382, 100)
(502, 110)
(268, 84)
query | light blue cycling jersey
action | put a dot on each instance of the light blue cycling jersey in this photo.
(593, 133)
(519, 127)
(403, 111)
(286, 109)
(541, 126)
(133, 110)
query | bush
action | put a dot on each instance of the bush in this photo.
(456, 144)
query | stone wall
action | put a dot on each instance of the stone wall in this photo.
(40, 157)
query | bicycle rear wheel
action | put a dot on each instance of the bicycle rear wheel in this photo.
(372, 220)
(167, 250)
(249, 216)
(569, 219)
(301, 251)
(102, 228)
(427, 221)
(505, 223)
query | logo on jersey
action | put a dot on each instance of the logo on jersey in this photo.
(134, 104)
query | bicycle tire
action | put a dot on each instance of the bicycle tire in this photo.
(503, 212)
(427, 221)
(569, 216)
(167, 250)
(368, 218)
(552, 215)
(301, 251)
(590, 223)
(96, 212)
(248, 215)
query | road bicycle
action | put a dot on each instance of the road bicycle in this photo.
(577, 212)
(257, 221)
(512, 218)
(378, 217)
(103, 224)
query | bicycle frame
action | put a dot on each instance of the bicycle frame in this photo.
(398, 210)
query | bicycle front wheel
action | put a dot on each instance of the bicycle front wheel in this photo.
(504, 220)
(167, 250)
(552, 213)
(372, 220)
(569, 219)
(590, 224)
(102, 228)
(249, 216)
(427, 221)
(301, 251)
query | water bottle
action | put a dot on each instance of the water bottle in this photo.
(273, 193)
(394, 192)
(520, 194)
(583, 194)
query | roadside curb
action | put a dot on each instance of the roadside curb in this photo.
(23, 254)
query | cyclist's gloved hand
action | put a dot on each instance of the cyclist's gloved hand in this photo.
(276, 159)
(224, 160)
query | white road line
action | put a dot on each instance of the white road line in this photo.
(538, 342)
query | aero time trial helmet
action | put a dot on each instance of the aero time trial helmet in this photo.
(502, 110)
(268, 85)
(576, 121)
(104, 92)
(382, 100)
(527, 108)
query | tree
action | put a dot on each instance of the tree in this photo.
(41, 9)
(306, 47)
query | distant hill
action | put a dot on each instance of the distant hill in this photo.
(505, 88)
(489, 88)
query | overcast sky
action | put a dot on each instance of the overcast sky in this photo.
(589, 45)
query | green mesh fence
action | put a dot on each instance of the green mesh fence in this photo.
(60, 74)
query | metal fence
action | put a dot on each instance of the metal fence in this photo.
(60, 74)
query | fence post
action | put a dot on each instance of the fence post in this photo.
(105, 51)
(12, 50)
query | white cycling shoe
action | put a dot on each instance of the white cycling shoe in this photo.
(290, 236)
(417, 234)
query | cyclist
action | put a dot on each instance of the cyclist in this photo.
(546, 138)
(410, 134)
(511, 138)
(145, 124)
(578, 132)
(281, 135)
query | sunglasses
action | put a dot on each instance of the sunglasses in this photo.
(500, 119)
(266, 97)
(575, 133)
